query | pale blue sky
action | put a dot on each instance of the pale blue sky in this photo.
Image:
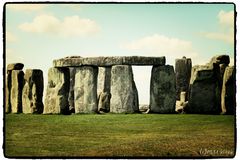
(37, 34)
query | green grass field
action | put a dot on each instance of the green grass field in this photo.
(119, 135)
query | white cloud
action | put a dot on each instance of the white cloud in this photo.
(226, 18)
(226, 23)
(26, 7)
(160, 45)
(69, 26)
(10, 37)
(226, 37)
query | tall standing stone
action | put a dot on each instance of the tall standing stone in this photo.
(10, 67)
(8, 107)
(123, 89)
(162, 89)
(206, 86)
(202, 96)
(85, 91)
(104, 87)
(33, 91)
(71, 89)
(16, 91)
(228, 97)
(56, 99)
(183, 69)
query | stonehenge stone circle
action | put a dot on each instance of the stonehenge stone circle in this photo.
(16, 91)
(56, 98)
(124, 92)
(32, 91)
(228, 98)
(71, 89)
(162, 89)
(183, 69)
(106, 84)
(85, 91)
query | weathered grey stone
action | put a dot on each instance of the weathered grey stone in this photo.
(71, 89)
(33, 91)
(182, 104)
(104, 79)
(162, 89)
(15, 66)
(104, 102)
(183, 69)
(123, 89)
(8, 107)
(206, 86)
(202, 96)
(85, 91)
(143, 107)
(56, 99)
(228, 96)
(108, 61)
(103, 88)
(219, 59)
(16, 90)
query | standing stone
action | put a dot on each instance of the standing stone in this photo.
(206, 86)
(183, 69)
(56, 99)
(85, 91)
(162, 89)
(104, 87)
(202, 97)
(219, 63)
(228, 99)
(71, 90)
(123, 89)
(33, 91)
(8, 107)
(10, 67)
(16, 90)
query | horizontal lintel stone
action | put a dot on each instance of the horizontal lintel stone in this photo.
(108, 61)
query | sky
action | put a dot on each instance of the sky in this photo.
(36, 34)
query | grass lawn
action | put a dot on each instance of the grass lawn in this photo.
(119, 135)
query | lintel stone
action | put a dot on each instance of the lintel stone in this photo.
(108, 61)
